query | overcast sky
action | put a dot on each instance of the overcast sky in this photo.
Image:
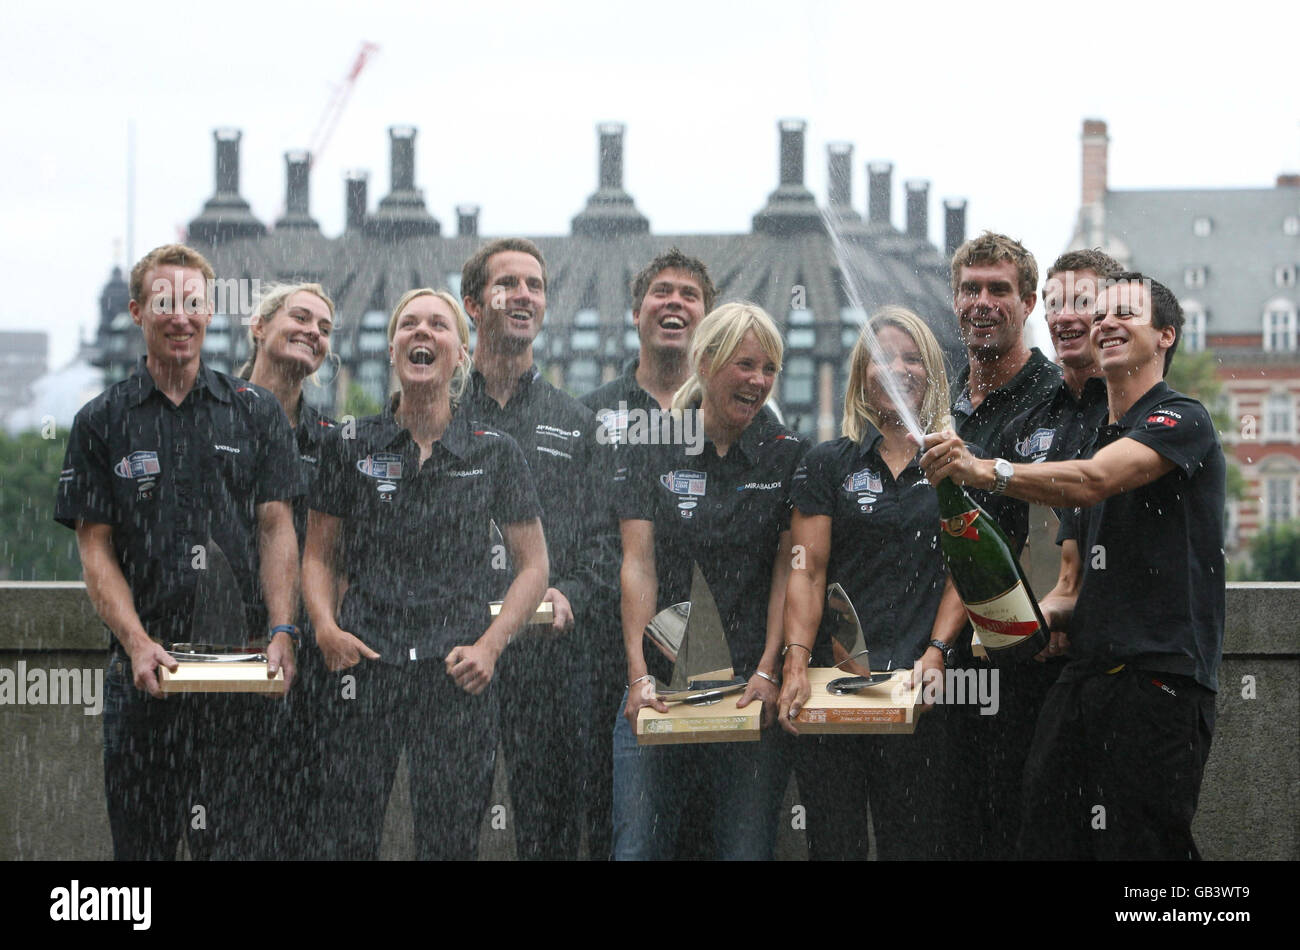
(985, 100)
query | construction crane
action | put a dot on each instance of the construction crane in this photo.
(338, 102)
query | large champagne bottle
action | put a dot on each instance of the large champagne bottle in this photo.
(989, 579)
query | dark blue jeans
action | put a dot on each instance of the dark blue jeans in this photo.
(745, 783)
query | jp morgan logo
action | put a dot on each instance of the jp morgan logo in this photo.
(650, 427)
(687, 486)
(385, 465)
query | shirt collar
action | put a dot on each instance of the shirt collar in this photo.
(1144, 405)
(206, 379)
(478, 384)
(1033, 366)
(455, 438)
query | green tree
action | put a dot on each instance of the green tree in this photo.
(1196, 375)
(33, 547)
(360, 403)
(1275, 553)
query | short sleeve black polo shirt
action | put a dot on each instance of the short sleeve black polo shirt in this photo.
(415, 539)
(557, 435)
(1152, 591)
(990, 427)
(884, 545)
(726, 514)
(309, 434)
(167, 478)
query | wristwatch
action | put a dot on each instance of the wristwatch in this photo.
(947, 649)
(1002, 472)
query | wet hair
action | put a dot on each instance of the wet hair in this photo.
(474, 275)
(459, 379)
(1093, 259)
(1166, 311)
(933, 415)
(992, 248)
(674, 259)
(167, 255)
(716, 340)
(272, 300)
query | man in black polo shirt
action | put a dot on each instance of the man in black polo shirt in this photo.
(540, 677)
(159, 467)
(995, 284)
(670, 297)
(1117, 759)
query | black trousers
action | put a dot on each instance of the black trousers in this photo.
(540, 686)
(989, 753)
(450, 739)
(194, 765)
(607, 670)
(903, 778)
(1115, 769)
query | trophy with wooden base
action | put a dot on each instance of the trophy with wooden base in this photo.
(702, 694)
(214, 667)
(879, 702)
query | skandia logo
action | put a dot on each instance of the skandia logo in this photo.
(1037, 444)
(385, 465)
(138, 465)
(864, 481)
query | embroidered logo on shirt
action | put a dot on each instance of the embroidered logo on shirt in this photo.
(225, 448)
(1037, 445)
(138, 465)
(686, 485)
(468, 473)
(1164, 418)
(385, 465)
(543, 429)
(759, 486)
(865, 480)
(550, 451)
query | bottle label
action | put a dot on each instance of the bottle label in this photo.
(1001, 620)
(963, 525)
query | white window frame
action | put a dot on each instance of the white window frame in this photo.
(1202, 226)
(1279, 421)
(1194, 327)
(1284, 485)
(1280, 320)
(1291, 225)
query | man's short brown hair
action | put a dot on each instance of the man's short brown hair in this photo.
(1089, 258)
(673, 259)
(474, 275)
(168, 255)
(991, 248)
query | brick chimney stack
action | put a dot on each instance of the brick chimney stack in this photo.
(1095, 144)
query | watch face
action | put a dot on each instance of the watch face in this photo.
(1003, 468)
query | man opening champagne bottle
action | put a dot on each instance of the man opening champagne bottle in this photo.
(1115, 767)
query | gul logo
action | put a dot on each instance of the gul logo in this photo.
(1037, 444)
(686, 485)
(962, 526)
(138, 465)
(1164, 418)
(383, 465)
(864, 481)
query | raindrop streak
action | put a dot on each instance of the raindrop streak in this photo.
(878, 356)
